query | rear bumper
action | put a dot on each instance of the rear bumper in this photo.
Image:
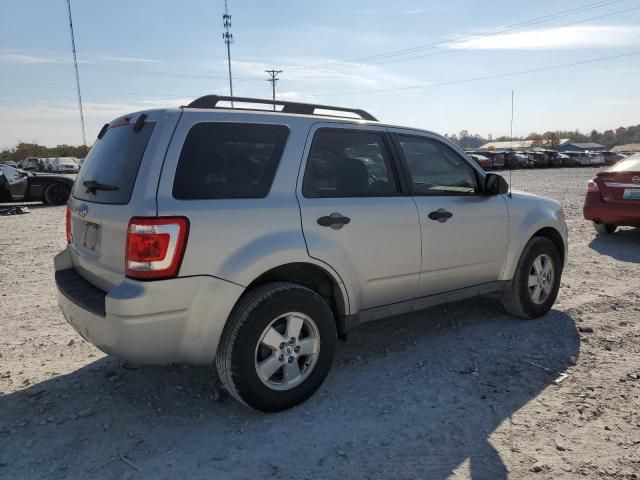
(167, 321)
(611, 213)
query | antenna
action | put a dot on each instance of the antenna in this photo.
(75, 64)
(273, 78)
(511, 136)
(227, 36)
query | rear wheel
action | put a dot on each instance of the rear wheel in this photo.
(534, 287)
(277, 346)
(56, 194)
(604, 227)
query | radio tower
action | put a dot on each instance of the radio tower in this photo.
(228, 40)
(75, 64)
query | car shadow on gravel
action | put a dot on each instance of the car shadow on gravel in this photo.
(624, 245)
(410, 397)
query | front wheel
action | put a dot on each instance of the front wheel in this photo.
(605, 228)
(535, 284)
(56, 194)
(277, 346)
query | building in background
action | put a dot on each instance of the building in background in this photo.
(581, 147)
(628, 148)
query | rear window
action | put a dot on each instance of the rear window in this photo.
(113, 161)
(631, 164)
(229, 160)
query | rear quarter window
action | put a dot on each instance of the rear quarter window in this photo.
(228, 160)
(114, 160)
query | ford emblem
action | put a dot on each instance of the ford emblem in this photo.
(636, 179)
(82, 210)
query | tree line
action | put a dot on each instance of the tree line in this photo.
(608, 138)
(24, 150)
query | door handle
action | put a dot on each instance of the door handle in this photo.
(441, 215)
(335, 220)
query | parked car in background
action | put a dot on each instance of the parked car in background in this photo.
(540, 159)
(554, 158)
(485, 162)
(11, 163)
(21, 186)
(577, 159)
(613, 196)
(595, 158)
(243, 240)
(611, 158)
(497, 158)
(29, 164)
(64, 165)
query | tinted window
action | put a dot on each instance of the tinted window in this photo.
(113, 160)
(345, 163)
(436, 169)
(229, 160)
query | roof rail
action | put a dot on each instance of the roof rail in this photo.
(210, 101)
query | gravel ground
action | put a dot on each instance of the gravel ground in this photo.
(458, 391)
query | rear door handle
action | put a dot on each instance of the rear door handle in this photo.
(335, 220)
(441, 215)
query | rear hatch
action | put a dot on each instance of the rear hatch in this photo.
(118, 180)
(621, 183)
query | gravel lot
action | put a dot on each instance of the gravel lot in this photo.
(458, 391)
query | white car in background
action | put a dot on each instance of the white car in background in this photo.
(65, 165)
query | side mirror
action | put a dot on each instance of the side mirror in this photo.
(495, 184)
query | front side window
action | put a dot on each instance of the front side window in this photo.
(348, 163)
(435, 169)
(228, 160)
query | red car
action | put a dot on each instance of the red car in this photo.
(613, 197)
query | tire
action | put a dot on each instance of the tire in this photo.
(518, 297)
(56, 194)
(241, 349)
(605, 228)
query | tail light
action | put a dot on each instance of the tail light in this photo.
(592, 186)
(155, 247)
(67, 220)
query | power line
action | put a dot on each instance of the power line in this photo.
(228, 40)
(371, 58)
(474, 79)
(273, 78)
(75, 64)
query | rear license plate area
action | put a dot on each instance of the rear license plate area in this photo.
(91, 237)
(631, 194)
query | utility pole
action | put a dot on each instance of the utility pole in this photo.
(75, 64)
(228, 40)
(273, 78)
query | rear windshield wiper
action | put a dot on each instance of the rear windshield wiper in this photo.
(93, 186)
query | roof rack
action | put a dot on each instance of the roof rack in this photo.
(210, 101)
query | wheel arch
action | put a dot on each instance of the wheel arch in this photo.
(315, 278)
(555, 237)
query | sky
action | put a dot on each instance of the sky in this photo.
(445, 66)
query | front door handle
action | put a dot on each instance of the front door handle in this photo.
(441, 215)
(335, 220)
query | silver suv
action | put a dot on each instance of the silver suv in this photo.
(251, 240)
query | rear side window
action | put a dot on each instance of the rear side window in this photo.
(228, 160)
(113, 164)
(348, 163)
